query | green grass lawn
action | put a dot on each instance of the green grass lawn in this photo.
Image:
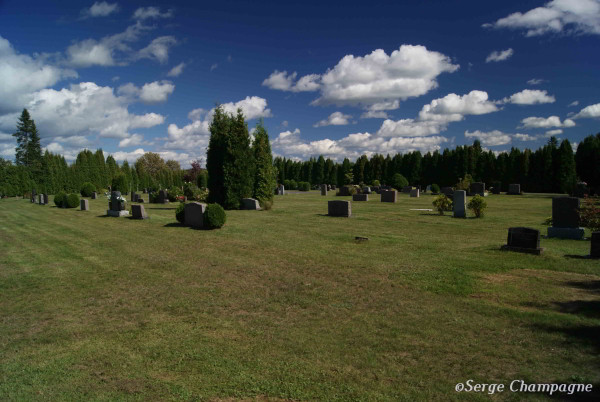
(286, 305)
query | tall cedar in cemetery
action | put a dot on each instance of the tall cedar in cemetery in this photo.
(229, 160)
(264, 178)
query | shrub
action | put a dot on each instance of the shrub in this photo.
(119, 183)
(72, 200)
(287, 184)
(464, 184)
(266, 205)
(376, 183)
(435, 188)
(478, 206)
(548, 222)
(87, 189)
(201, 180)
(152, 197)
(399, 181)
(304, 186)
(180, 212)
(351, 190)
(214, 216)
(590, 213)
(201, 195)
(442, 203)
(60, 199)
(293, 185)
(174, 193)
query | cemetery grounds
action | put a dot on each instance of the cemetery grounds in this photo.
(286, 305)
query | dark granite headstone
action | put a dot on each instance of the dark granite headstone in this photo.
(115, 203)
(45, 199)
(133, 196)
(145, 191)
(406, 189)
(33, 194)
(250, 204)
(138, 212)
(339, 208)
(388, 195)
(94, 195)
(194, 214)
(565, 212)
(595, 246)
(448, 192)
(496, 187)
(366, 190)
(163, 197)
(360, 197)
(344, 191)
(524, 240)
(418, 187)
(333, 187)
(84, 205)
(514, 189)
(477, 188)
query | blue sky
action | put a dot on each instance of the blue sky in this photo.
(333, 78)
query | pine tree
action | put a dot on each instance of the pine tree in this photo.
(566, 174)
(215, 156)
(264, 179)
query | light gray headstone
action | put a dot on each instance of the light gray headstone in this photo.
(323, 189)
(460, 204)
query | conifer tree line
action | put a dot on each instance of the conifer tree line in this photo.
(50, 173)
(553, 168)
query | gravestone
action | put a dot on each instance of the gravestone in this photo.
(133, 196)
(251, 204)
(389, 195)
(140, 200)
(460, 204)
(323, 189)
(566, 219)
(41, 199)
(33, 194)
(163, 197)
(344, 191)
(45, 199)
(407, 189)
(595, 246)
(386, 188)
(94, 195)
(428, 188)
(339, 208)
(477, 188)
(360, 197)
(329, 187)
(366, 190)
(448, 192)
(281, 190)
(418, 187)
(497, 187)
(138, 212)
(333, 187)
(84, 205)
(414, 193)
(145, 191)
(523, 240)
(514, 189)
(194, 214)
(117, 207)
(375, 189)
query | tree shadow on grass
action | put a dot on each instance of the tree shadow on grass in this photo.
(174, 225)
(162, 209)
(331, 216)
(578, 257)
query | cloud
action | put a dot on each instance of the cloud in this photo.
(196, 134)
(109, 51)
(158, 49)
(144, 13)
(114, 79)
(569, 17)
(282, 81)
(526, 137)
(81, 110)
(177, 70)
(373, 114)
(530, 97)
(284, 123)
(492, 138)
(553, 132)
(575, 103)
(592, 111)
(453, 107)
(536, 81)
(229, 58)
(133, 141)
(410, 128)
(541, 122)
(22, 74)
(496, 56)
(150, 93)
(334, 119)
(100, 9)
(408, 72)
(214, 66)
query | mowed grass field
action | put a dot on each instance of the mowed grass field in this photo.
(286, 305)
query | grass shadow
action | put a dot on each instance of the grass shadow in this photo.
(174, 225)
(162, 209)
(578, 257)
(331, 216)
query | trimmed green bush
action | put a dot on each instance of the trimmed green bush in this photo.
(214, 216)
(72, 200)
(442, 203)
(60, 199)
(351, 190)
(376, 183)
(304, 186)
(87, 189)
(287, 184)
(478, 206)
(435, 188)
(119, 183)
(293, 185)
(201, 180)
(180, 212)
(399, 181)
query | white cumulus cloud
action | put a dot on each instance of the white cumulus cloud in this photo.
(536, 81)
(542, 122)
(499, 55)
(334, 119)
(530, 97)
(100, 9)
(158, 49)
(592, 111)
(144, 13)
(492, 138)
(177, 70)
(282, 81)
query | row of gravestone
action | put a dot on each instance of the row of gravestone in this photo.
(527, 240)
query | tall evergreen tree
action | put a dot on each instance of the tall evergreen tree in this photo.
(264, 178)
